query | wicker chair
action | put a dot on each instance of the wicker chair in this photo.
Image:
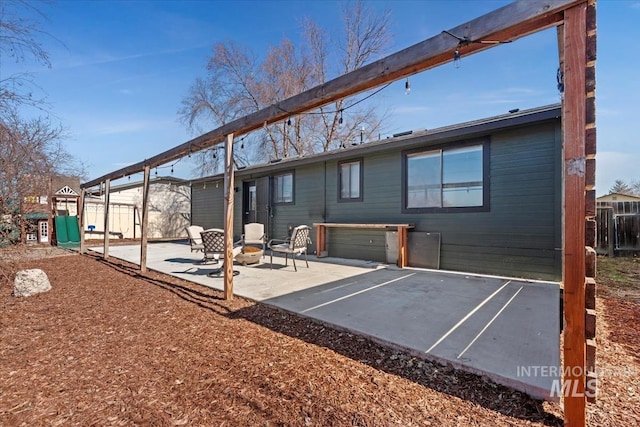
(295, 245)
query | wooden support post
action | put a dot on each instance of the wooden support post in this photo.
(574, 120)
(610, 233)
(81, 219)
(145, 219)
(107, 187)
(321, 241)
(402, 247)
(228, 217)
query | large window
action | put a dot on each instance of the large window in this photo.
(283, 188)
(350, 181)
(447, 179)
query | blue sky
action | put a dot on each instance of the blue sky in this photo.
(121, 68)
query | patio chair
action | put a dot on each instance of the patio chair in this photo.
(254, 235)
(213, 247)
(195, 240)
(295, 245)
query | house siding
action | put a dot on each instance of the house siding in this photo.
(207, 204)
(519, 236)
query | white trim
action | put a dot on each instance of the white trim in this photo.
(67, 191)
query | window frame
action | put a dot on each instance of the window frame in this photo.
(486, 188)
(274, 188)
(360, 161)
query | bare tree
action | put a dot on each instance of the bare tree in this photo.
(30, 153)
(20, 40)
(237, 85)
(31, 150)
(620, 186)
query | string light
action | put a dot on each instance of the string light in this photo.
(407, 87)
(289, 122)
(340, 119)
(466, 41)
(171, 169)
(156, 171)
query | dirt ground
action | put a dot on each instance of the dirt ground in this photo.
(108, 346)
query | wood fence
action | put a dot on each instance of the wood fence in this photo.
(618, 227)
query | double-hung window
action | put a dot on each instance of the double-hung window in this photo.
(447, 179)
(283, 188)
(350, 181)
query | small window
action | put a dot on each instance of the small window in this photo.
(350, 181)
(449, 179)
(283, 188)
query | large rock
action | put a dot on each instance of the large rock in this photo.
(30, 282)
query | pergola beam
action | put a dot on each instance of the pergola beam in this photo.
(144, 225)
(105, 243)
(508, 23)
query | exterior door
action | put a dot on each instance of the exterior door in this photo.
(249, 202)
(263, 203)
(256, 203)
(43, 231)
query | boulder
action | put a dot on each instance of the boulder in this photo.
(30, 282)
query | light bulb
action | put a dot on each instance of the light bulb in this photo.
(407, 87)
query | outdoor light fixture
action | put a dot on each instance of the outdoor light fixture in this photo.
(456, 58)
(289, 122)
(407, 87)
(340, 119)
(466, 41)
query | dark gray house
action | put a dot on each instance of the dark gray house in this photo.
(489, 189)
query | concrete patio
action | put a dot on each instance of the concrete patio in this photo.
(504, 328)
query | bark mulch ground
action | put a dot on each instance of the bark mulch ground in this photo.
(108, 346)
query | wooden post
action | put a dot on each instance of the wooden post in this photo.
(321, 241)
(145, 219)
(610, 233)
(228, 218)
(574, 119)
(402, 247)
(107, 187)
(81, 219)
